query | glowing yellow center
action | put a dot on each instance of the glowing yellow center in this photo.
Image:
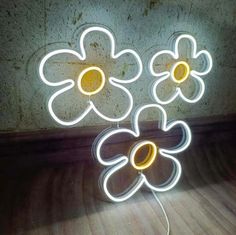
(91, 80)
(180, 71)
(143, 155)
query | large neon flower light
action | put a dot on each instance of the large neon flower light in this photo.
(70, 83)
(180, 71)
(117, 162)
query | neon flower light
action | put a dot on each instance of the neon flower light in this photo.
(118, 161)
(180, 71)
(70, 83)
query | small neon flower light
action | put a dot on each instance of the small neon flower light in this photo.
(118, 161)
(86, 74)
(180, 71)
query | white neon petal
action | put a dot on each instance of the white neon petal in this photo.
(186, 140)
(192, 41)
(113, 54)
(208, 60)
(140, 66)
(60, 121)
(160, 53)
(71, 83)
(163, 117)
(154, 95)
(198, 93)
(173, 179)
(128, 192)
(104, 138)
(48, 56)
(126, 114)
(175, 54)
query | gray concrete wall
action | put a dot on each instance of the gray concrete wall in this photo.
(30, 28)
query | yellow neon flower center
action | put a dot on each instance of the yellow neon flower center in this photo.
(180, 71)
(91, 80)
(143, 154)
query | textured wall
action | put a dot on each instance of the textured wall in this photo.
(28, 29)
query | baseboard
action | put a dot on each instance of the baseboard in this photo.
(74, 144)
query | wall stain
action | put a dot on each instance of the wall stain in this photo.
(150, 6)
(129, 17)
(234, 15)
(8, 13)
(95, 44)
(77, 18)
(145, 12)
(16, 67)
(124, 69)
(152, 3)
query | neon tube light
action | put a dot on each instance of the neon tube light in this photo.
(186, 71)
(117, 162)
(69, 83)
(170, 74)
(150, 157)
(81, 77)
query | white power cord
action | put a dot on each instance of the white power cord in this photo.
(164, 212)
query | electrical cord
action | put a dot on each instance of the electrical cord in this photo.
(164, 212)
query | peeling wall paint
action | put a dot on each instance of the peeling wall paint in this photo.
(29, 29)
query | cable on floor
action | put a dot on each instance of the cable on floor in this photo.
(164, 212)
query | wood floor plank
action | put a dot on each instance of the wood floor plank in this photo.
(65, 200)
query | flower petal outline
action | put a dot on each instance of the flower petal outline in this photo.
(71, 83)
(165, 75)
(120, 161)
(132, 189)
(173, 179)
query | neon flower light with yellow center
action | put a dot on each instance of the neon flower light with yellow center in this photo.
(90, 80)
(180, 71)
(154, 151)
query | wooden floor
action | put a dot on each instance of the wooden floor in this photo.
(65, 200)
